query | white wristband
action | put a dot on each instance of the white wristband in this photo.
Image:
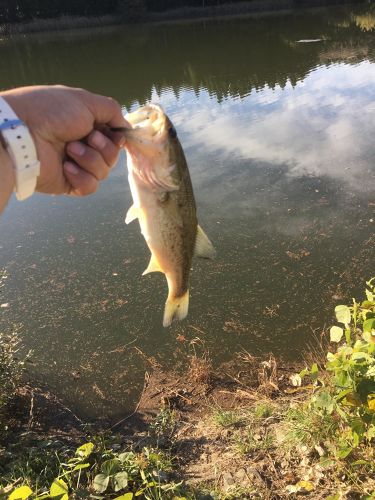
(21, 149)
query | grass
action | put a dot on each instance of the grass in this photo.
(57, 24)
(304, 427)
(10, 374)
(251, 441)
(227, 418)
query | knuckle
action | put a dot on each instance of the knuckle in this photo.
(89, 187)
(113, 102)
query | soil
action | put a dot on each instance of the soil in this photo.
(214, 458)
(201, 448)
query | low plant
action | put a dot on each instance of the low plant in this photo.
(10, 374)
(349, 394)
(163, 426)
(95, 469)
(226, 418)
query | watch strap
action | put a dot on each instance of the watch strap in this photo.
(21, 149)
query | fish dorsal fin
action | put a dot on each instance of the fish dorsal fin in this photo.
(153, 266)
(132, 214)
(203, 246)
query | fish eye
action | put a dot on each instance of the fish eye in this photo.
(172, 132)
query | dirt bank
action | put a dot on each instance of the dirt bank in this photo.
(242, 431)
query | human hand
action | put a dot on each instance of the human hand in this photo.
(65, 124)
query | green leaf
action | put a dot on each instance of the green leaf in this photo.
(59, 489)
(110, 467)
(324, 400)
(127, 496)
(369, 325)
(20, 493)
(81, 466)
(370, 432)
(331, 357)
(120, 480)
(343, 314)
(343, 393)
(101, 482)
(336, 333)
(314, 372)
(126, 456)
(85, 450)
(344, 451)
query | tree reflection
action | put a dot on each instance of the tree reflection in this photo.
(226, 58)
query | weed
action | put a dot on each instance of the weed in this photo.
(10, 375)
(200, 370)
(307, 428)
(227, 418)
(163, 425)
(263, 410)
(255, 441)
(92, 468)
(349, 394)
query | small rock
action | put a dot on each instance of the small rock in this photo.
(241, 476)
(228, 481)
(319, 449)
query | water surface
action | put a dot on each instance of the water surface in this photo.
(278, 134)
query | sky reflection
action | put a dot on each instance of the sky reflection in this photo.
(322, 126)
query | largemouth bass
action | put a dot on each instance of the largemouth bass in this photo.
(163, 203)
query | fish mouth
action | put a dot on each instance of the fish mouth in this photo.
(147, 143)
(148, 122)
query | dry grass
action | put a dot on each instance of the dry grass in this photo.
(57, 24)
(200, 364)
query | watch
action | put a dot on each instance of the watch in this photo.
(21, 149)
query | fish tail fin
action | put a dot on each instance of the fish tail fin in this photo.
(176, 308)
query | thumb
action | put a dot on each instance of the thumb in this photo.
(105, 110)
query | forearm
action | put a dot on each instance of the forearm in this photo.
(6, 177)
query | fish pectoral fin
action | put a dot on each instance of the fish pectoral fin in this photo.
(131, 214)
(203, 246)
(153, 266)
(176, 308)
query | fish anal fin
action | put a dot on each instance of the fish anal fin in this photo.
(176, 308)
(132, 214)
(153, 266)
(203, 246)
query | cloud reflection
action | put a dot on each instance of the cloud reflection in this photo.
(322, 126)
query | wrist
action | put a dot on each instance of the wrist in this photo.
(7, 179)
(16, 101)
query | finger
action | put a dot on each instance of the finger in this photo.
(82, 182)
(116, 136)
(108, 150)
(88, 159)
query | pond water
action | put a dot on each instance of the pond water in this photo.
(276, 115)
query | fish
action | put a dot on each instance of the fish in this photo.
(164, 204)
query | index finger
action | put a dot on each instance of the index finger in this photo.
(105, 110)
